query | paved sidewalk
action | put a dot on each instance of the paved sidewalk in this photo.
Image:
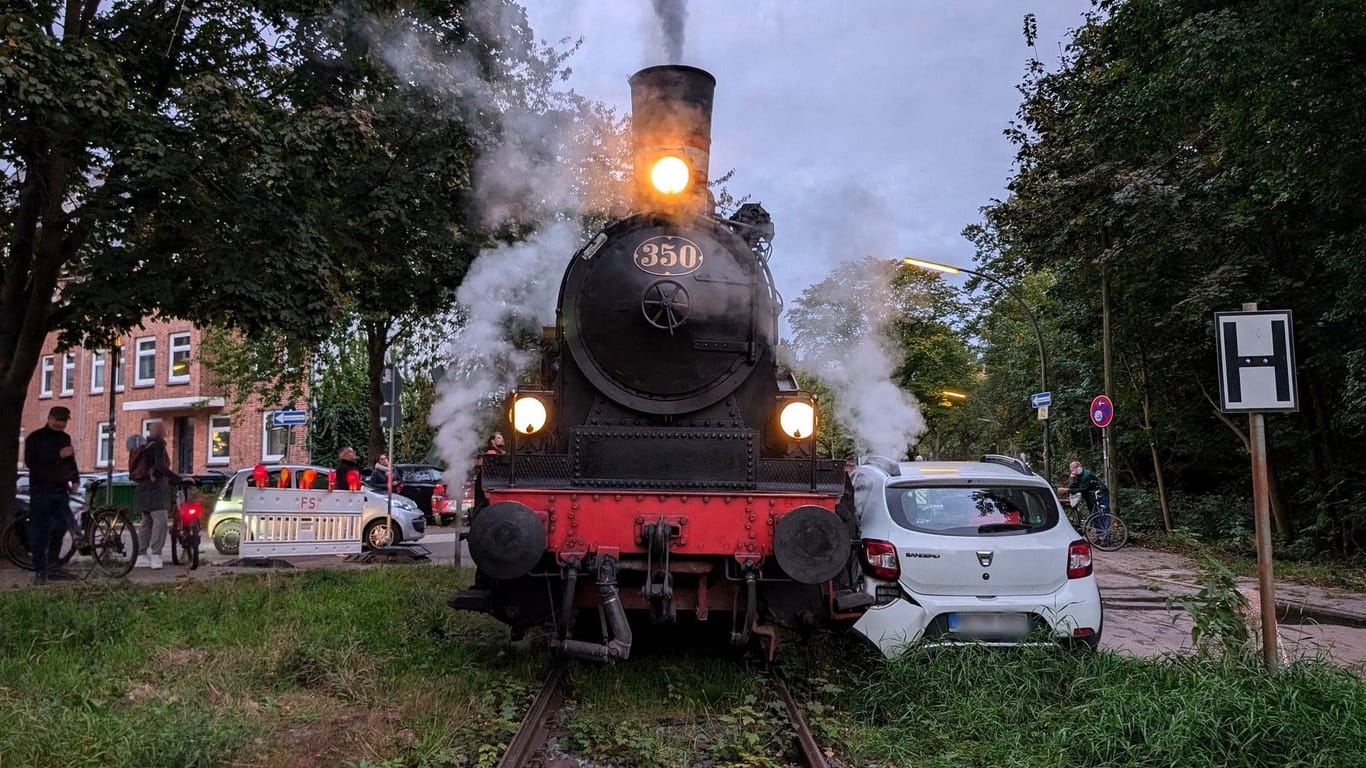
(1136, 584)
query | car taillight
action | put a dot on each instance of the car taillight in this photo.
(880, 560)
(1078, 560)
(191, 511)
(439, 490)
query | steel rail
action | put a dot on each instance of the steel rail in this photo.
(811, 751)
(531, 734)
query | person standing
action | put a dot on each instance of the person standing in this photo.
(154, 497)
(51, 462)
(495, 443)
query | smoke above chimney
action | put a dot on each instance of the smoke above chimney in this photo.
(673, 18)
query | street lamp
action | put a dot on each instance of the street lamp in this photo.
(1043, 356)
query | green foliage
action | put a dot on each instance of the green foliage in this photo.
(1218, 614)
(340, 416)
(914, 313)
(1145, 161)
(1042, 708)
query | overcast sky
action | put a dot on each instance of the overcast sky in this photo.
(864, 127)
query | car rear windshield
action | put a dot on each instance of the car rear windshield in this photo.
(422, 475)
(974, 510)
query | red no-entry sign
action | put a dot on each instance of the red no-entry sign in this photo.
(1102, 411)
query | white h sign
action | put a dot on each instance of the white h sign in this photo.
(1256, 361)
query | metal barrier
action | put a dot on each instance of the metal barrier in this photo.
(289, 521)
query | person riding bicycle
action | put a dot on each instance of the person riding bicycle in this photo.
(1084, 482)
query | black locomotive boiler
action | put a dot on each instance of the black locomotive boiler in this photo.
(665, 461)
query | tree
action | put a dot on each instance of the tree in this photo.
(151, 163)
(872, 329)
(1150, 171)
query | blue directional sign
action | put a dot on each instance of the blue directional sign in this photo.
(288, 418)
(1040, 399)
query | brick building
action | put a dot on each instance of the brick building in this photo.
(159, 377)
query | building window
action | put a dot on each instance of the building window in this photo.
(273, 440)
(118, 371)
(220, 438)
(45, 389)
(97, 368)
(69, 373)
(105, 451)
(147, 426)
(180, 358)
(146, 372)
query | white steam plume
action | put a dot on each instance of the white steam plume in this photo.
(842, 336)
(673, 19)
(508, 289)
(532, 168)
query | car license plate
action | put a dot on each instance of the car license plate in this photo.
(989, 624)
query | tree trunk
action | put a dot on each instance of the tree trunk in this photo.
(11, 414)
(376, 349)
(1157, 462)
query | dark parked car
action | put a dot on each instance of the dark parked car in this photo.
(423, 484)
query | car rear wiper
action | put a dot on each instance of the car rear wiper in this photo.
(1002, 527)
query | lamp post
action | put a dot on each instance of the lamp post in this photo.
(1038, 336)
(111, 378)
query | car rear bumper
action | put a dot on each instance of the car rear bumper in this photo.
(892, 627)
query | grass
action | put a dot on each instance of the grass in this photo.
(319, 667)
(1040, 708)
(369, 668)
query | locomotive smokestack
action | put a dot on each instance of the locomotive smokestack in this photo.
(671, 137)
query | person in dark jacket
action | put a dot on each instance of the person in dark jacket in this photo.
(51, 462)
(346, 463)
(1084, 482)
(155, 497)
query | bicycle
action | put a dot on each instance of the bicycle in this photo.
(185, 529)
(106, 535)
(1103, 529)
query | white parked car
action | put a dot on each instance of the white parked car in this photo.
(964, 551)
(225, 521)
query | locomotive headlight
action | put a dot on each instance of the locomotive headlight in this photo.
(670, 175)
(528, 414)
(798, 419)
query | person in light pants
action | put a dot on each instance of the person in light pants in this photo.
(155, 498)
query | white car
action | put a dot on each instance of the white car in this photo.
(225, 522)
(963, 551)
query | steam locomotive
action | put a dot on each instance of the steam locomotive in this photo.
(665, 462)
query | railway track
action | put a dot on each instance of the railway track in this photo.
(524, 750)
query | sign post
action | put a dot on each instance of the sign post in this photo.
(1256, 352)
(1040, 401)
(1102, 413)
(389, 389)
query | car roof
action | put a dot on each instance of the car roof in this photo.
(914, 471)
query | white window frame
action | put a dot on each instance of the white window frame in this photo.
(104, 445)
(215, 428)
(147, 426)
(48, 374)
(69, 374)
(265, 442)
(172, 348)
(138, 354)
(99, 363)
